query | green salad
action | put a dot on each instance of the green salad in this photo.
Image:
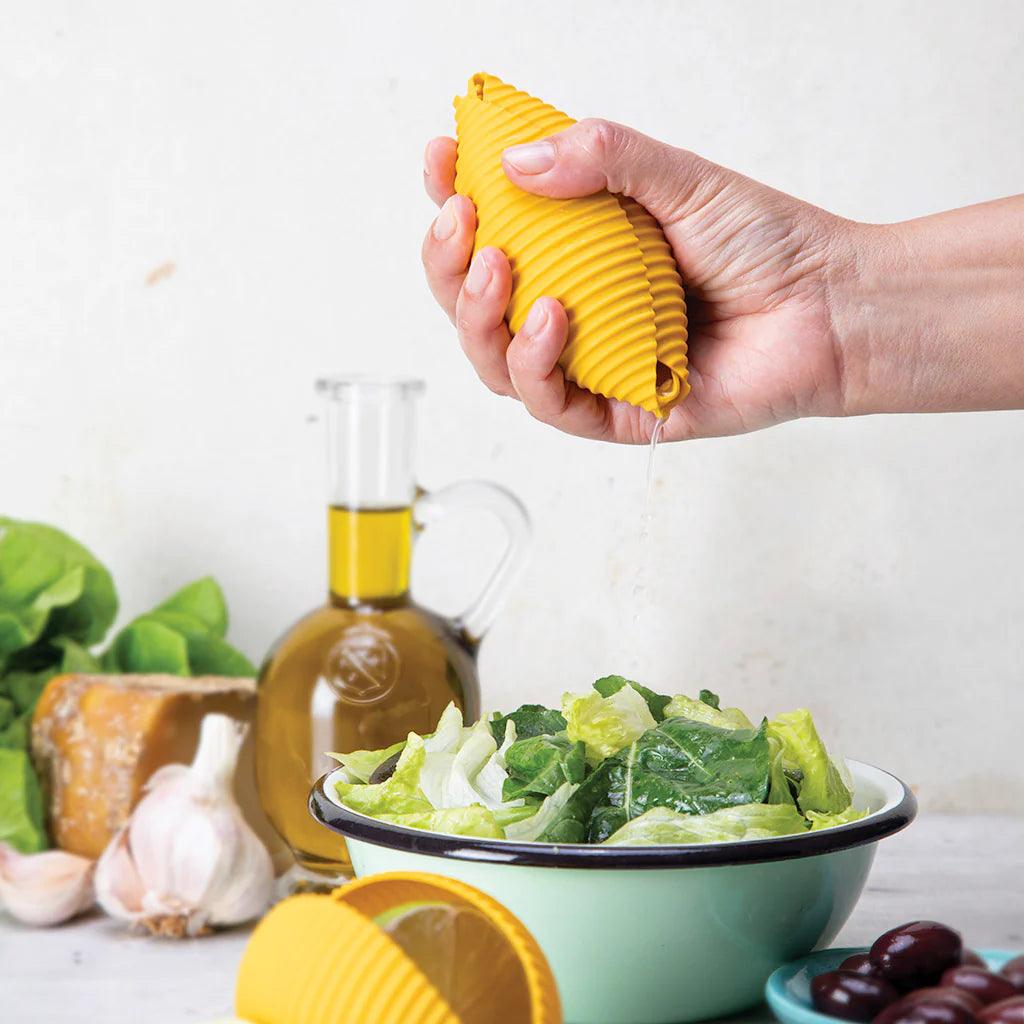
(620, 765)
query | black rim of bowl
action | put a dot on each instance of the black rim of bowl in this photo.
(353, 825)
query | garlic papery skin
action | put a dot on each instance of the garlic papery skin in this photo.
(186, 859)
(44, 888)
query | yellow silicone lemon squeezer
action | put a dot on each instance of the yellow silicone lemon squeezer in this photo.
(604, 257)
(395, 948)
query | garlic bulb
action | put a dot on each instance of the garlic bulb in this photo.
(44, 888)
(186, 859)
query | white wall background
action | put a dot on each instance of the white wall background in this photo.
(870, 569)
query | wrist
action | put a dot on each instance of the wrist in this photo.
(866, 334)
(928, 315)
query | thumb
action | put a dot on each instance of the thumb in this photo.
(597, 154)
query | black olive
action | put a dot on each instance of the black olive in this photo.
(916, 954)
(851, 996)
(385, 769)
(980, 982)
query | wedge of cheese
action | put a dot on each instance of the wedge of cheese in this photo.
(96, 740)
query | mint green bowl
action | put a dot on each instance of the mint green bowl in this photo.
(655, 934)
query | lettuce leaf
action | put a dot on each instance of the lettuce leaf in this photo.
(361, 764)
(182, 636)
(681, 706)
(779, 789)
(454, 768)
(457, 777)
(662, 825)
(656, 703)
(516, 811)
(819, 821)
(821, 787)
(606, 724)
(545, 818)
(457, 821)
(50, 586)
(21, 803)
(400, 794)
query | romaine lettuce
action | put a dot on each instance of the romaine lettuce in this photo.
(456, 821)
(819, 821)
(656, 702)
(681, 706)
(400, 794)
(820, 787)
(606, 724)
(661, 825)
(545, 817)
(361, 764)
(779, 789)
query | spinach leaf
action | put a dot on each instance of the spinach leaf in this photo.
(607, 685)
(710, 698)
(685, 765)
(570, 823)
(540, 764)
(530, 720)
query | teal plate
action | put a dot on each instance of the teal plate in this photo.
(788, 990)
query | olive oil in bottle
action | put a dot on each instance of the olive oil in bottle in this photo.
(371, 665)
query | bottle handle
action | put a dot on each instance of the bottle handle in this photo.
(429, 507)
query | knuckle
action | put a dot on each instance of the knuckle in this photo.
(600, 137)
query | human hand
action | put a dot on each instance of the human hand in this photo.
(758, 267)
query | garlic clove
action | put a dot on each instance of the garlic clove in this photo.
(44, 888)
(248, 888)
(119, 889)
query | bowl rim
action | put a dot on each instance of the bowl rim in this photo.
(897, 813)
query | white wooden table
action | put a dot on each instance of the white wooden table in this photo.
(966, 871)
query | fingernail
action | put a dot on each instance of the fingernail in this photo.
(533, 158)
(536, 320)
(444, 224)
(479, 276)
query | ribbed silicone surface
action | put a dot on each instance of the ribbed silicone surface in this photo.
(603, 257)
(317, 960)
(374, 894)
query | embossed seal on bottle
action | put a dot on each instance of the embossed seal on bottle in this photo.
(364, 665)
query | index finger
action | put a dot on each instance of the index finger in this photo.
(439, 169)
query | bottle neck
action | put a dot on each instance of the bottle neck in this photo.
(369, 553)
